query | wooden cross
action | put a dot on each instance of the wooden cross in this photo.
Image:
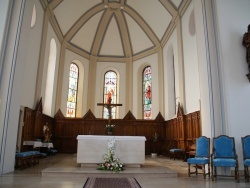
(109, 106)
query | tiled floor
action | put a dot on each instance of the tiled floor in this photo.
(32, 178)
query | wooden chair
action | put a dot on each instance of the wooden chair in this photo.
(246, 155)
(175, 152)
(224, 155)
(166, 147)
(191, 152)
(202, 156)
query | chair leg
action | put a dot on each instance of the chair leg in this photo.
(237, 174)
(188, 170)
(247, 173)
(212, 169)
(204, 171)
(214, 172)
(196, 169)
(208, 169)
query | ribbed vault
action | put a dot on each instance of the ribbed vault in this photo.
(113, 30)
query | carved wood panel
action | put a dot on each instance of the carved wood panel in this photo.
(178, 132)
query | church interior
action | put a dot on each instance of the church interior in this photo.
(167, 70)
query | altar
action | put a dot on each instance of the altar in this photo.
(129, 149)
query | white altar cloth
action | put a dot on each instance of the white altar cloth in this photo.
(129, 149)
(35, 144)
(47, 145)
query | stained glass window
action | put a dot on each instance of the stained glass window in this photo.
(72, 92)
(147, 93)
(110, 90)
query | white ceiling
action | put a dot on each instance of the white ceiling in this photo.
(114, 28)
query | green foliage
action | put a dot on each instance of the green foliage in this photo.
(155, 137)
(110, 128)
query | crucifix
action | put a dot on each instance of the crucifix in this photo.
(109, 106)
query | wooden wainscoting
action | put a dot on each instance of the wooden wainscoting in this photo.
(67, 130)
(179, 132)
(182, 131)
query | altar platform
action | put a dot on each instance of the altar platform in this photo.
(153, 167)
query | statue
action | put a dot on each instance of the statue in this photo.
(109, 105)
(46, 133)
(246, 43)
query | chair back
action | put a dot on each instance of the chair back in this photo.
(224, 147)
(246, 146)
(203, 147)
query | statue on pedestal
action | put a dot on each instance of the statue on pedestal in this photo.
(246, 43)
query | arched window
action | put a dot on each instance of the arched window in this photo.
(110, 88)
(72, 92)
(48, 101)
(147, 92)
(33, 18)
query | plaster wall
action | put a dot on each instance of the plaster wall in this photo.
(4, 18)
(232, 61)
(11, 87)
(190, 59)
(171, 77)
(32, 38)
(50, 34)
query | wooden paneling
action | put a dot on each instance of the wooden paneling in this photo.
(69, 128)
(33, 124)
(182, 131)
(179, 132)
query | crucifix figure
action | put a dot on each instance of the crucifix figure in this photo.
(109, 106)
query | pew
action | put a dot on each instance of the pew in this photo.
(26, 159)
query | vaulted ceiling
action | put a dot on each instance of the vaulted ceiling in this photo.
(114, 29)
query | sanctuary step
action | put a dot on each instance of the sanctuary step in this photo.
(153, 167)
(144, 171)
(62, 165)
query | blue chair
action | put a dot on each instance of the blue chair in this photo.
(246, 155)
(202, 156)
(224, 155)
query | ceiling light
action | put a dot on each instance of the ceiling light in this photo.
(106, 6)
(122, 7)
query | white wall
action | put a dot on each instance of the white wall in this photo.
(50, 34)
(233, 19)
(11, 89)
(4, 18)
(190, 59)
(31, 38)
(102, 67)
(83, 65)
(170, 51)
(138, 67)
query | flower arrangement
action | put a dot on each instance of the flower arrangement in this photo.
(111, 163)
(110, 127)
